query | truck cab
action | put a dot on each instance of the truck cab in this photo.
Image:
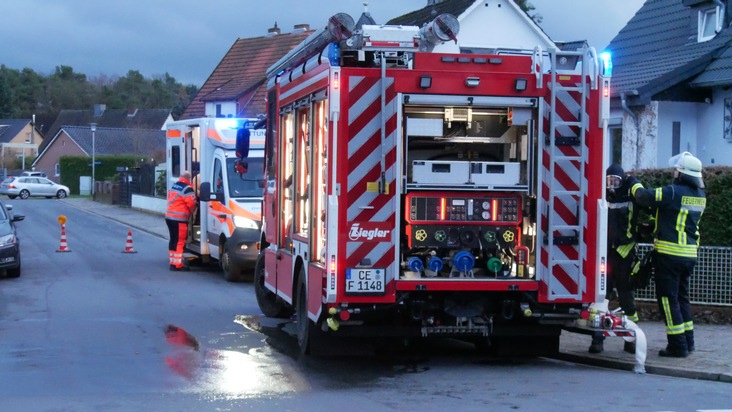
(226, 225)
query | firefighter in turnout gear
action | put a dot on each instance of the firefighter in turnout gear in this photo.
(622, 222)
(678, 208)
(181, 205)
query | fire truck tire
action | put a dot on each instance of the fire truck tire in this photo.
(269, 303)
(306, 330)
(232, 272)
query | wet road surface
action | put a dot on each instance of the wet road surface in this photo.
(99, 330)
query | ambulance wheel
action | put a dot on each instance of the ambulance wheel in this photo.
(232, 272)
(269, 303)
(306, 329)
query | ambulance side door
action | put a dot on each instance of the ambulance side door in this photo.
(216, 216)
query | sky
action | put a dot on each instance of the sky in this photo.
(188, 38)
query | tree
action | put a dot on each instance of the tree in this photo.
(6, 96)
(528, 8)
(26, 93)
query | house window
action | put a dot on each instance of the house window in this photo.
(676, 138)
(57, 170)
(709, 24)
(616, 145)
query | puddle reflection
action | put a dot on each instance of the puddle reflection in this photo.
(228, 373)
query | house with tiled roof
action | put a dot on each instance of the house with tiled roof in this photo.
(81, 141)
(671, 80)
(111, 118)
(18, 138)
(485, 26)
(236, 87)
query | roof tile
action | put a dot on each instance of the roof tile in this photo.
(242, 70)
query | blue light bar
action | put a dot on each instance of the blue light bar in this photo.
(228, 123)
(607, 64)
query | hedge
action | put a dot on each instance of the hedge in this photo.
(72, 167)
(716, 223)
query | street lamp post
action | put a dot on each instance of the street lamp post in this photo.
(93, 127)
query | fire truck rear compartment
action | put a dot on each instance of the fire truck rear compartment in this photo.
(468, 208)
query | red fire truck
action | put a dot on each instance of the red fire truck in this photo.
(411, 193)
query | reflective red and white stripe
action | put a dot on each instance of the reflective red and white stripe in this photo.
(371, 216)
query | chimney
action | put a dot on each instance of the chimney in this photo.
(299, 28)
(273, 31)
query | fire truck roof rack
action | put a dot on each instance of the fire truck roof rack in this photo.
(340, 27)
(374, 38)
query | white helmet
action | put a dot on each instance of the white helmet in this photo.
(687, 164)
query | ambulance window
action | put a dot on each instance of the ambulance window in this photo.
(245, 184)
(175, 160)
(218, 177)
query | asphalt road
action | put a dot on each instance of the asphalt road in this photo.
(86, 330)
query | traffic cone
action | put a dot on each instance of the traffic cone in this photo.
(128, 244)
(63, 247)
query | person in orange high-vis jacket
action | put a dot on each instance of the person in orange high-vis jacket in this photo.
(181, 205)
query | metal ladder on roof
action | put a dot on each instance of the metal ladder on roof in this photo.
(568, 149)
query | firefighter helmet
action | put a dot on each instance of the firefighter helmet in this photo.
(689, 168)
(687, 164)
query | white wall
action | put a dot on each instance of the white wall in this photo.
(496, 24)
(713, 148)
(227, 109)
(150, 204)
(687, 115)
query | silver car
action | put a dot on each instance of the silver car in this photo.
(27, 186)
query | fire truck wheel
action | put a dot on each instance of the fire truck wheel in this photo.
(232, 272)
(306, 329)
(269, 303)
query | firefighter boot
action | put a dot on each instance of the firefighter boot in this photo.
(689, 334)
(676, 347)
(597, 344)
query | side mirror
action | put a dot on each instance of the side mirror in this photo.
(206, 195)
(17, 218)
(242, 143)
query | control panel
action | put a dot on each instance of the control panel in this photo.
(463, 208)
(463, 220)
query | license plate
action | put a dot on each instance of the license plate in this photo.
(365, 281)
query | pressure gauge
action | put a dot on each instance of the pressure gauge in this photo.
(485, 215)
(486, 205)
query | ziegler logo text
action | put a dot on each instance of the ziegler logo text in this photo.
(359, 233)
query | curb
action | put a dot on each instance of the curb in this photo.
(121, 221)
(651, 369)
